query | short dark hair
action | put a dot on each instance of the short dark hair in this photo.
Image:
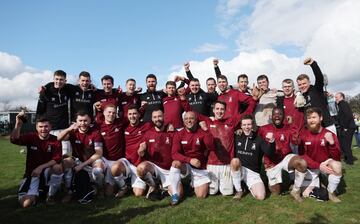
(131, 80)
(170, 83)
(218, 101)
(341, 94)
(311, 110)
(222, 77)
(60, 73)
(151, 76)
(84, 74)
(260, 77)
(244, 76)
(158, 109)
(82, 113)
(247, 117)
(194, 80)
(133, 107)
(211, 78)
(302, 77)
(107, 77)
(42, 119)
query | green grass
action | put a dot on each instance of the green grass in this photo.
(214, 209)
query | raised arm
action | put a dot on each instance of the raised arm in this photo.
(319, 77)
(216, 67)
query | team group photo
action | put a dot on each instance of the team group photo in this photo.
(271, 136)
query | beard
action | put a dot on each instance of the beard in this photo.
(314, 128)
(158, 124)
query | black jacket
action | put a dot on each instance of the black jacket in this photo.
(154, 102)
(345, 116)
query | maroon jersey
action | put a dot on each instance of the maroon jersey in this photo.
(84, 144)
(291, 111)
(113, 138)
(316, 149)
(127, 100)
(173, 109)
(133, 137)
(159, 145)
(188, 145)
(233, 98)
(283, 138)
(223, 133)
(39, 151)
(107, 98)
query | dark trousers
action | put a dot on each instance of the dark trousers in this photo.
(345, 139)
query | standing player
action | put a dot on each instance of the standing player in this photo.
(151, 98)
(42, 161)
(233, 98)
(218, 164)
(314, 94)
(283, 158)
(155, 149)
(107, 95)
(347, 127)
(130, 97)
(249, 151)
(321, 152)
(53, 104)
(87, 147)
(189, 154)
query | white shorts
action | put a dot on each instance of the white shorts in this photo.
(198, 177)
(311, 178)
(32, 188)
(220, 177)
(88, 168)
(250, 177)
(162, 174)
(136, 182)
(65, 145)
(274, 173)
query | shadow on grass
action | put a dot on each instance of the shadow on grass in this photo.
(125, 215)
(316, 219)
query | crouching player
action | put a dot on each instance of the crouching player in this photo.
(321, 151)
(189, 153)
(246, 165)
(155, 149)
(283, 158)
(112, 131)
(42, 161)
(87, 148)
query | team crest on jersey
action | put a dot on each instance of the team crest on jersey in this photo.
(197, 141)
(282, 137)
(77, 93)
(103, 133)
(90, 142)
(230, 99)
(33, 147)
(116, 130)
(200, 98)
(151, 140)
(52, 98)
(167, 141)
(253, 147)
(49, 148)
(322, 142)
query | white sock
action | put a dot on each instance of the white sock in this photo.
(68, 174)
(333, 182)
(299, 179)
(236, 178)
(174, 177)
(149, 179)
(98, 176)
(54, 183)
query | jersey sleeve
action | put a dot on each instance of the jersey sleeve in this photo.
(334, 150)
(243, 98)
(57, 152)
(24, 139)
(176, 150)
(319, 77)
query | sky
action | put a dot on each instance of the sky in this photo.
(130, 39)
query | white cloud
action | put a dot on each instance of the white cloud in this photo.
(210, 48)
(19, 83)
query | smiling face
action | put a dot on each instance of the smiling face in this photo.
(133, 116)
(288, 89)
(303, 84)
(194, 86)
(59, 81)
(157, 118)
(222, 84)
(84, 82)
(263, 84)
(151, 84)
(243, 83)
(219, 111)
(110, 114)
(277, 117)
(314, 122)
(107, 85)
(43, 129)
(190, 120)
(170, 90)
(83, 122)
(130, 86)
(210, 85)
(246, 126)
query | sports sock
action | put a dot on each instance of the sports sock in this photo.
(174, 179)
(236, 177)
(54, 183)
(299, 179)
(333, 182)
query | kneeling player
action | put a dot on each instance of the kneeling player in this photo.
(87, 147)
(322, 154)
(282, 159)
(189, 152)
(249, 150)
(155, 149)
(42, 161)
